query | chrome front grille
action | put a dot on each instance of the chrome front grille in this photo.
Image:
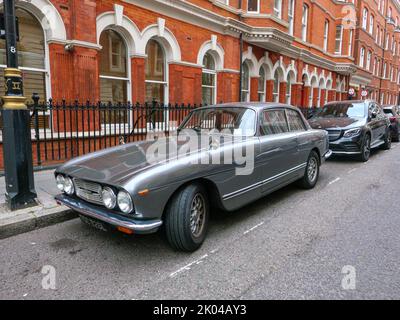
(88, 191)
(334, 134)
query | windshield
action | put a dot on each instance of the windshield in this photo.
(343, 110)
(230, 120)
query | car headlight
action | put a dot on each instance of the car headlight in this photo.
(109, 198)
(60, 180)
(69, 186)
(125, 202)
(352, 133)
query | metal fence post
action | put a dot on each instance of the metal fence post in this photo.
(35, 98)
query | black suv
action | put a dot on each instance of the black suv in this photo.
(354, 127)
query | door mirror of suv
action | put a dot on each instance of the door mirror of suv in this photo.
(373, 114)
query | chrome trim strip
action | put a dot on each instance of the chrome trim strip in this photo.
(260, 183)
(328, 154)
(345, 152)
(111, 220)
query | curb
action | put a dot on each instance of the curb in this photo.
(13, 224)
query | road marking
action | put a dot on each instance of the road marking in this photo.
(255, 227)
(187, 267)
(334, 181)
(352, 170)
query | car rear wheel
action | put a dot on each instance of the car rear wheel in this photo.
(397, 137)
(366, 148)
(388, 141)
(186, 219)
(311, 175)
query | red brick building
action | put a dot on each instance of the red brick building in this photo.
(301, 52)
(377, 50)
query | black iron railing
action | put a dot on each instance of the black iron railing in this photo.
(62, 130)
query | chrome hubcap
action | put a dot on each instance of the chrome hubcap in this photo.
(312, 169)
(197, 215)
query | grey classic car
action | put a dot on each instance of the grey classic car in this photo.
(247, 151)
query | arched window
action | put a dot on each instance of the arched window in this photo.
(304, 23)
(326, 35)
(369, 55)
(156, 73)
(114, 78)
(365, 19)
(209, 82)
(362, 57)
(276, 86)
(291, 6)
(31, 55)
(288, 89)
(245, 83)
(261, 85)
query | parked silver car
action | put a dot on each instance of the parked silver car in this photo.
(248, 150)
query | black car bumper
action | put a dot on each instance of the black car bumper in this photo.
(103, 215)
(346, 146)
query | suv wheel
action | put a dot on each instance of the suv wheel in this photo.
(366, 148)
(397, 137)
(311, 175)
(186, 219)
(388, 141)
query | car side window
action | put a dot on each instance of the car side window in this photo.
(274, 122)
(296, 123)
(372, 109)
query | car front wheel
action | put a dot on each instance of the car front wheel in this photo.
(186, 220)
(365, 149)
(311, 175)
(388, 141)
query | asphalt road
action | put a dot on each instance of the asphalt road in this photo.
(292, 244)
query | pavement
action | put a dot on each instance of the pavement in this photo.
(46, 213)
(338, 241)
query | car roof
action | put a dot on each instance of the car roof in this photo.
(252, 105)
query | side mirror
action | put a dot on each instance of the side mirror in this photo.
(373, 115)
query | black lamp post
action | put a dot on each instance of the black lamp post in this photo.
(17, 147)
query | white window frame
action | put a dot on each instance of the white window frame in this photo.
(278, 8)
(362, 58)
(350, 53)
(246, 92)
(304, 23)
(263, 90)
(214, 87)
(384, 70)
(291, 6)
(340, 39)
(368, 66)
(258, 7)
(365, 19)
(326, 35)
(371, 24)
(128, 70)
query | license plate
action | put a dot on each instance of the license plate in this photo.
(94, 223)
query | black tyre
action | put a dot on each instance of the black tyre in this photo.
(396, 138)
(311, 174)
(186, 218)
(366, 149)
(388, 141)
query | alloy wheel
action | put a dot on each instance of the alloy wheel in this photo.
(312, 170)
(197, 215)
(367, 148)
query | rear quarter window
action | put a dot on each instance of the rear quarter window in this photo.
(295, 121)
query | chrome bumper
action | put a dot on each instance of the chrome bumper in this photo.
(328, 154)
(101, 214)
